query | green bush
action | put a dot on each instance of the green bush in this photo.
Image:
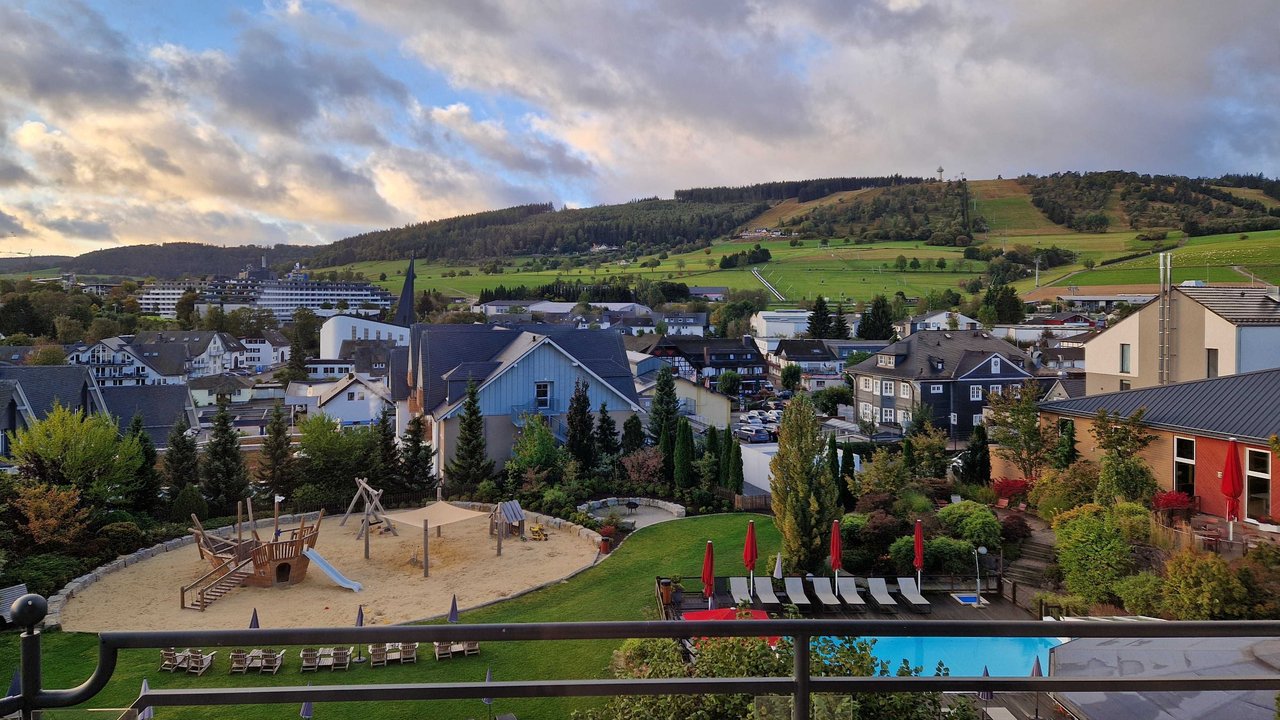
(981, 494)
(952, 516)
(851, 525)
(1133, 521)
(44, 574)
(306, 497)
(941, 555)
(120, 538)
(1060, 490)
(1200, 586)
(190, 502)
(902, 553)
(981, 529)
(1127, 478)
(1070, 604)
(1093, 556)
(912, 503)
(1141, 594)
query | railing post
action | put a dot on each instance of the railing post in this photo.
(28, 611)
(800, 699)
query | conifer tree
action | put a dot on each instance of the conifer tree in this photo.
(726, 477)
(181, 459)
(276, 466)
(685, 477)
(632, 434)
(713, 451)
(580, 434)
(146, 491)
(736, 480)
(976, 469)
(665, 407)
(470, 465)
(820, 323)
(606, 433)
(1064, 450)
(805, 500)
(416, 458)
(384, 454)
(847, 497)
(225, 478)
(877, 321)
(840, 325)
(833, 462)
(668, 449)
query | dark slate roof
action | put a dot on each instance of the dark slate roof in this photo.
(405, 315)
(601, 351)
(160, 406)
(1245, 406)
(959, 350)
(364, 354)
(46, 384)
(14, 354)
(165, 358)
(1073, 386)
(398, 373)
(223, 384)
(641, 343)
(1165, 658)
(804, 350)
(1237, 305)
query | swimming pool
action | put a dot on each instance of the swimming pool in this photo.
(1012, 657)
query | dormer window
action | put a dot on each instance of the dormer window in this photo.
(884, 361)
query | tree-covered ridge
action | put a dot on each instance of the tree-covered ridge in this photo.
(801, 190)
(937, 213)
(1193, 205)
(539, 229)
(182, 259)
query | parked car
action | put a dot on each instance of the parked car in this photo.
(751, 434)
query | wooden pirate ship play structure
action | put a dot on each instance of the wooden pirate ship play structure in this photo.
(249, 560)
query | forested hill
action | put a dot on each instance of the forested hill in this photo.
(175, 260)
(801, 190)
(30, 264)
(532, 229)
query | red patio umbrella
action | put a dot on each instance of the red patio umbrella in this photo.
(836, 550)
(709, 574)
(750, 553)
(1232, 486)
(919, 559)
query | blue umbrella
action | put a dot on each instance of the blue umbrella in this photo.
(15, 685)
(253, 621)
(453, 610)
(147, 712)
(307, 708)
(986, 695)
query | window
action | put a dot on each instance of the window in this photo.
(1184, 465)
(877, 387)
(995, 364)
(995, 389)
(955, 419)
(1211, 362)
(904, 416)
(977, 419)
(1125, 384)
(351, 396)
(975, 392)
(905, 390)
(886, 415)
(865, 383)
(864, 411)
(1257, 483)
(542, 395)
(935, 389)
(887, 386)
(1125, 356)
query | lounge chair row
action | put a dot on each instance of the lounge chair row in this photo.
(846, 592)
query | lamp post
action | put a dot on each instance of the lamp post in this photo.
(977, 571)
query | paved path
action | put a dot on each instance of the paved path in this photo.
(644, 515)
(768, 286)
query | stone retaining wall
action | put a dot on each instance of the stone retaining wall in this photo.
(673, 508)
(58, 601)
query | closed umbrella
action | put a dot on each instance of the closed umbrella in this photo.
(15, 685)
(488, 702)
(1036, 672)
(919, 559)
(307, 708)
(1232, 486)
(146, 713)
(777, 567)
(253, 621)
(750, 553)
(986, 695)
(709, 573)
(360, 623)
(453, 609)
(836, 550)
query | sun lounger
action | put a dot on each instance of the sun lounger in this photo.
(847, 588)
(995, 712)
(823, 591)
(909, 592)
(740, 590)
(880, 595)
(795, 592)
(764, 593)
(198, 662)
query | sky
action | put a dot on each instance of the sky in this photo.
(305, 121)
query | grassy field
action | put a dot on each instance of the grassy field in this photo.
(1209, 258)
(1008, 209)
(621, 588)
(1253, 194)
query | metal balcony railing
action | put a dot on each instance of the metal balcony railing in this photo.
(28, 611)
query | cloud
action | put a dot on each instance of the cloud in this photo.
(10, 225)
(527, 153)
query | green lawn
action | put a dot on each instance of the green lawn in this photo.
(621, 588)
(1207, 258)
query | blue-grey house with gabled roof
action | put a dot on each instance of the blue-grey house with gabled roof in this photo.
(519, 371)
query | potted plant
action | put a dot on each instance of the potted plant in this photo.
(677, 591)
(1173, 504)
(606, 538)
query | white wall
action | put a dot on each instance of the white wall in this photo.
(339, 327)
(755, 467)
(1259, 350)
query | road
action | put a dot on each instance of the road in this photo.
(767, 285)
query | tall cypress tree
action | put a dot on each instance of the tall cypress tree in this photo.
(181, 458)
(606, 434)
(580, 440)
(384, 454)
(415, 458)
(1064, 450)
(820, 325)
(632, 434)
(685, 477)
(877, 321)
(146, 495)
(665, 407)
(736, 479)
(847, 497)
(225, 478)
(713, 450)
(668, 449)
(726, 479)
(840, 325)
(833, 462)
(804, 499)
(470, 465)
(276, 467)
(976, 469)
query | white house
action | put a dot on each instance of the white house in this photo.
(936, 320)
(349, 327)
(263, 352)
(780, 323)
(350, 400)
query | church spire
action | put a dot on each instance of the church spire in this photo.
(404, 310)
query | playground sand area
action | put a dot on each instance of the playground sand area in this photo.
(145, 596)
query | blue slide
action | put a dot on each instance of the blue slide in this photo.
(332, 571)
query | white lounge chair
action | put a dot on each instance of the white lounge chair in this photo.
(909, 592)
(764, 593)
(880, 595)
(740, 590)
(847, 588)
(795, 592)
(823, 591)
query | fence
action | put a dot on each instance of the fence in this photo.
(751, 503)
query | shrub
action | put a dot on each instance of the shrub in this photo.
(1014, 528)
(1126, 477)
(1172, 500)
(952, 516)
(851, 525)
(912, 503)
(902, 553)
(981, 529)
(1132, 520)
(586, 520)
(981, 494)
(1141, 594)
(944, 554)
(1093, 556)
(880, 529)
(1059, 490)
(190, 502)
(1070, 604)
(1086, 510)
(870, 502)
(608, 531)
(306, 497)
(1200, 586)
(44, 574)
(1011, 487)
(120, 538)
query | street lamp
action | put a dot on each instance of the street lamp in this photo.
(977, 571)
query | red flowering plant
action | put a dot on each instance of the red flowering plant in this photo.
(608, 531)
(1011, 487)
(1172, 500)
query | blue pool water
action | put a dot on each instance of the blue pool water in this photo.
(1012, 657)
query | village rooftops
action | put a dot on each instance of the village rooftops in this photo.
(1239, 305)
(941, 354)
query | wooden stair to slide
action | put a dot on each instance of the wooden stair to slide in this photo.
(217, 582)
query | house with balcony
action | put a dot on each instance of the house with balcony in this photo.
(703, 406)
(936, 320)
(947, 374)
(703, 360)
(819, 366)
(519, 372)
(268, 350)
